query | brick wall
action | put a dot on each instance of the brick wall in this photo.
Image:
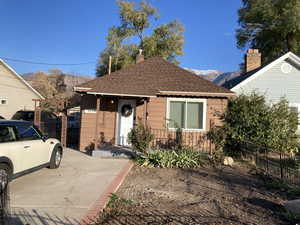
(215, 107)
(252, 60)
(87, 122)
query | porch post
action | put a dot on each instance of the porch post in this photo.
(37, 117)
(145, 111)
(64, 129)
(97, 121)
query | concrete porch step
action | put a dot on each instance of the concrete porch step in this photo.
(114, 152)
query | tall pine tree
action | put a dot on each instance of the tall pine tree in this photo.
(270, 25)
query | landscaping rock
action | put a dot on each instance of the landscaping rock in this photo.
(293, 206)
(228, 161)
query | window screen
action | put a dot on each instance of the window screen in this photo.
(187, 115)
(177, 111)
(194, 115)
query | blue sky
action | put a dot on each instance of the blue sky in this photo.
(73, 31)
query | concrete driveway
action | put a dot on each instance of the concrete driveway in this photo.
(62, 196)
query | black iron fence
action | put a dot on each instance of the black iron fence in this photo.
(274, 163)
(73, 137)
(4, 200)
(171, 139)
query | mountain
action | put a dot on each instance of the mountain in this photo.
(210, 75)
(222, 78)
(215, 76)
(70, 80)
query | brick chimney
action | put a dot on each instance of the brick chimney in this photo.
(252, 60)
(139, 57)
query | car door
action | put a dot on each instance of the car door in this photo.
(35, 149)
(10, 148)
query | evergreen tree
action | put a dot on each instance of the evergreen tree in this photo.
(270, 25)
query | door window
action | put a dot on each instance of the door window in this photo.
(27, 133)
(7, 134)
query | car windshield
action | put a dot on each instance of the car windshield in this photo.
(38, 131)
(23, 115)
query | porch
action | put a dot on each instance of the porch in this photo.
(107, 120)
(163, 140)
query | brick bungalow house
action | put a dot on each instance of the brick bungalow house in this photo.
(154, 91)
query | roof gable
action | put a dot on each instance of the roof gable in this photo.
(151, 77)
(21, 79)
(243, 79)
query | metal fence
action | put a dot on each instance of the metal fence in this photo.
(170, 139)
(274, 163)
(73, 137)
(4, 202)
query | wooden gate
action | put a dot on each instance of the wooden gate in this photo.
(54, 128)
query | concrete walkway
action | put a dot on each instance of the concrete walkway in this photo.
(62, 196)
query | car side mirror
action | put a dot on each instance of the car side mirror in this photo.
(45, 137)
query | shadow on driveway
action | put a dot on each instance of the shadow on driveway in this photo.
(21, 216)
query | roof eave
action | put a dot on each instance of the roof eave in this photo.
(195, 94)
(81, 89)
(120, 94)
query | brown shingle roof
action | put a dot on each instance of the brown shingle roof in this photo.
(151, 77)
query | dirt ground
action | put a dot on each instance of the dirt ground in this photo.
(213, 196)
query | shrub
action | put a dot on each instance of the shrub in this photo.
(277, 185)
(249, 118)
(185, 158)
(140, 138)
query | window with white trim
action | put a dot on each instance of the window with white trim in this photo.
(3, 101)
(189, 114)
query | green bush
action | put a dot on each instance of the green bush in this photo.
(251, 119)
(293, 193)
(276, 185)
(140, 138)
(185, 158)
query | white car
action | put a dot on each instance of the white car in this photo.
(24, 149)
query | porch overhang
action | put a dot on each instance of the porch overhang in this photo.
(118, 94)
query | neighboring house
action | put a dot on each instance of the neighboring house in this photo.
(15, 93)
(155, 92)
(280, 78)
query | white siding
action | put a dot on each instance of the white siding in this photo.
(18, 95)
(276, 84)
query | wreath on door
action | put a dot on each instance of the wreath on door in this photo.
(126, 110)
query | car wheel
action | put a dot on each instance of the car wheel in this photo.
(55, 158)
(4, 176)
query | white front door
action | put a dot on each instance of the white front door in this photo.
(126, 112)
